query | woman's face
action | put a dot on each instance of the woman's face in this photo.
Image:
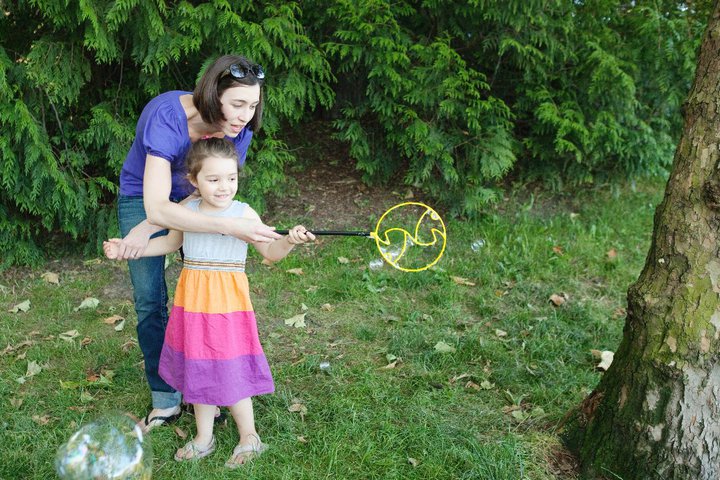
(238, 107)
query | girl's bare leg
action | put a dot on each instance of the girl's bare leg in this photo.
(242, 413)
(204, 421)
(203, 443)
(249, 446)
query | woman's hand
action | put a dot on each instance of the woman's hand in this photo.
(252, 231)
(135, 242)
(299, 234)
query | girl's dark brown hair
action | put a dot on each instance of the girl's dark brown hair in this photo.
(216, 80)
(208, 147)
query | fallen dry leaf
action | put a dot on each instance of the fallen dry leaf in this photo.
(612, 254)
(327, 307)
(559, 299)
(413, 462)
(298, 321)
(69, 336)
(85, 341)
(302, 439)
(606, 358)
(392, 364)
(21, 307)
(41, 420)
(500, 333)
(295, 271)
(343, 260)
(181, 433)
(459, 377)
(130, 344)
(87, 303)
(33, 369)
(113, 319)
(298, 408)
(120, 325)
(51, 277)
(443, 347)
(16, 401)
(558, 250)
(487, 385)
(462, 281)
(472, 386)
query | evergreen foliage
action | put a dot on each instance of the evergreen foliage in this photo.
(446, 96)
(74, 76)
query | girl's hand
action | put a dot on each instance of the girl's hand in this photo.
(111, 248)
(299, 234)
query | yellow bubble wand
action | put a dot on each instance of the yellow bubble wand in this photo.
(437, 237)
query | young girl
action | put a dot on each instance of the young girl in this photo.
(212, 353)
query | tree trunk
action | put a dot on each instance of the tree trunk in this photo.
(654, 415)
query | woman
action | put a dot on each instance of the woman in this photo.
(227, 102)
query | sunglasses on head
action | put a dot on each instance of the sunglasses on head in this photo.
(239, 72)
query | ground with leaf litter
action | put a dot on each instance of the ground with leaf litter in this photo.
(326, 191)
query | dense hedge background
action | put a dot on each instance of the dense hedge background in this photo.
(447, 96)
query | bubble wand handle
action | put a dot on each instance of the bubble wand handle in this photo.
(333, 232)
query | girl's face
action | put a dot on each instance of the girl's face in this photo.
(217, 182)
(238, 107)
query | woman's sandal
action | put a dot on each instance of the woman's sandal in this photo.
(190, 451)
(150, 423)
(246, 453)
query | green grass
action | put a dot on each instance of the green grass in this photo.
(362, 421)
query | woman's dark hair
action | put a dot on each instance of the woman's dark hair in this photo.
(217, 79)
(208, 147)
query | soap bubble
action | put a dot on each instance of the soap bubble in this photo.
(110, 448)
(325, 367)
(376, 264)
(477, 245)
(391, 253)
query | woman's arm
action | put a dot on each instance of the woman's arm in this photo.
(163, 213)
(279, 249)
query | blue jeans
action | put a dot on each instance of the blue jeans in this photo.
(150, 294)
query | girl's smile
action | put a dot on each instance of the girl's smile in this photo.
(217, 183)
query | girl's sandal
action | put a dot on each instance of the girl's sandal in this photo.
(190, 451)
(243, 454)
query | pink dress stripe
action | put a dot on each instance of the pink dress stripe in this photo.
(212, 336)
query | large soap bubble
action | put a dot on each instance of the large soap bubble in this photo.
(112, 447)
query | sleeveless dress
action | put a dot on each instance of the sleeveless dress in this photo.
(212, 352)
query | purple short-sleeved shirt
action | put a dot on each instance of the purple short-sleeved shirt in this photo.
(162, 131)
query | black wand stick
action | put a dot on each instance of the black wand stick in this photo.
(332, 232)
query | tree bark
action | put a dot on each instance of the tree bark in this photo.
(654, 414)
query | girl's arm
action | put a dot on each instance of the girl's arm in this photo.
(136, 241)
(156, 246)
(280, 248)
(161, 212)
